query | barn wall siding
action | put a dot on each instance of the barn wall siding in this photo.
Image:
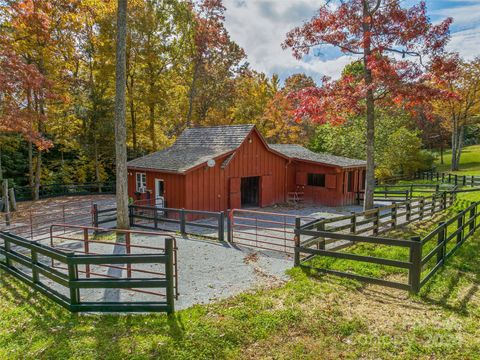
(209, 188)
(174, 190)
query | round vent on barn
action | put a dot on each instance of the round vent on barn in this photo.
(211, 163)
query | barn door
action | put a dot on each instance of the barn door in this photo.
(235, 193)
(267, 191)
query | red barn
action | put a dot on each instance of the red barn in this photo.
(222, 167)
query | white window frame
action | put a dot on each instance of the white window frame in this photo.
(141, 182)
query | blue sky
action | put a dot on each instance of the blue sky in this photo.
(259, 26)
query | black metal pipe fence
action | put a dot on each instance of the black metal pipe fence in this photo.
(58, 273)
(25, 193)
(425, 255)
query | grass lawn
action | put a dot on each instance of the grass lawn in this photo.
(470, 161)
(306, 318)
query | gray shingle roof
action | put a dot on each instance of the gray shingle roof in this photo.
(301, 153)
(194, 147)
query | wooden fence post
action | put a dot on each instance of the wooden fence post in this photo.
(473, 215)
(229, 226)
(8, 248)
(464, 180)
(376, 222)
(444, 200)
(456, 179)
(221, 226)
(415, 271)
(408, 209)
(421, 204)
(440, 241)
(95, 215)
(72, 276)
(393, 216)
(155, 218)
(131, 215)
(353, 221)
(460, 220)
(298, 224)
(182, 222)
(34, 257)
(170, 291)
(86, 246)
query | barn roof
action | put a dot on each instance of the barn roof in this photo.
(300, 153)
(194, 147)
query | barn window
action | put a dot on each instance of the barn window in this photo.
(141, 183)
(350, 181)
(316, 180)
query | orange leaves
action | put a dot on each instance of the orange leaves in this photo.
(394, 43)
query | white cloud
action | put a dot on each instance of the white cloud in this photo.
(260, 26)
(466, 42)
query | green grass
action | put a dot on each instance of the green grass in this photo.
(309, 317)
(470, 161)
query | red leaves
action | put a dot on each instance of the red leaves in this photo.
(398, 40)
(17, 79)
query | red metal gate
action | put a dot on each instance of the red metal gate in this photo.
(264, 230)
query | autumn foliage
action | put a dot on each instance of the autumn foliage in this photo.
(406, 56)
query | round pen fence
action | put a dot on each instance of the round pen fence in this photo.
(83, 271)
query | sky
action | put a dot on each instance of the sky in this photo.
(259, 26)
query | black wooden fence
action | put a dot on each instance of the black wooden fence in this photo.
(194, 222)
(313, 241)
(33, 263)
(460, 180)
(24, 193)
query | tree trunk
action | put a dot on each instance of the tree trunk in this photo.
(38, 171)
(133, 117)
(458, 132)
(120, 121)
(97, 164)
(151, 128)
(461, 132)
(368, 201)
(192, 93)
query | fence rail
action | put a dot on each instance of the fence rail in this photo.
(445, 177)
(57, 273)
(24, 193)
(385, 218)
(457, 229)
(193, 222)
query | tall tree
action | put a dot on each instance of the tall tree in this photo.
(120, 118)
(391, 42)
(462, 109)
(215, 58)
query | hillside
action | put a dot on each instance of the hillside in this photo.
(470, 161)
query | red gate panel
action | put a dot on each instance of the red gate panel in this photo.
(235, 193)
